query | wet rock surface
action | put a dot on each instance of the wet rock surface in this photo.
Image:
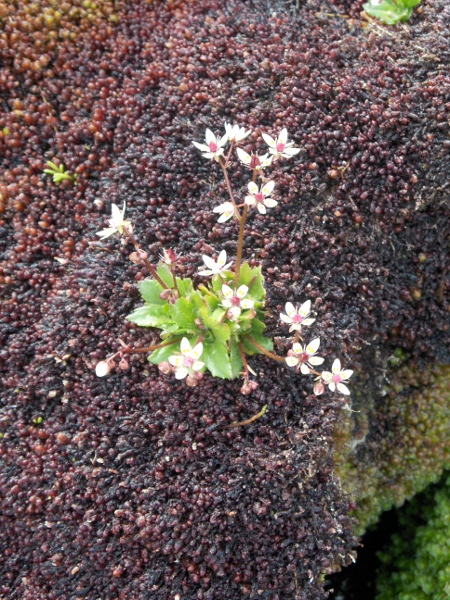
(129, 487)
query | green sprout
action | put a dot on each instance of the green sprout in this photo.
(38, 421)
(391, 11)
(59, 173)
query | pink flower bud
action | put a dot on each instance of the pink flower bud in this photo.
(124, 364)
(138, 257)
(191, 381)
(249, 387)
(165, 368)
(319, 388)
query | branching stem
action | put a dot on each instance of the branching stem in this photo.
(146, 262)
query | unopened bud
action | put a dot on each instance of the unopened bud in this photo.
(165, 367)
(248, 387)
(319, 388)
(124, 364)
(102, 368)
(167, 295)
(138, 257)
(191, 381)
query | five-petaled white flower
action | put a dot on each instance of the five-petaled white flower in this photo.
(226, 210)
(235, 133)
(234, 301)
(334, 379)
(259, 197)
(213, 147)
(297, 317)
(215, 267)
(254, 162)
(117, 223)
(187, 363)
(305, 356)
(280, 147)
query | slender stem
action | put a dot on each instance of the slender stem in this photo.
(175, 284)
(240, 246)
(263, 350)
(244, 361)
(248, 421)
(146, 262)
(227, 182)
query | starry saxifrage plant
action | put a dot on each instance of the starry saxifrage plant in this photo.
(217, 325)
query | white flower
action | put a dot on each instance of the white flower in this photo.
(226, 210)
(187, 363)
(254, 162)
(259, 197)
(235, 133)
(297, 317)
(304, 356)
(213, 147)
(117, 223)
(215, 267)
(334, 379)
(280, 147)
(234, 301)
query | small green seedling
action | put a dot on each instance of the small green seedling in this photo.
(59, 173)
(37, 422)
(391, 11)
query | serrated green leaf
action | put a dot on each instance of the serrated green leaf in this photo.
(213, 322)
(183, 313)
(185, 286)
(150, 316)
(254, 280)
(217, 359)
(150, 291)
(162, 354)
(257, 326)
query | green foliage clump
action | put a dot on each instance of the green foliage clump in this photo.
(391, 11)
(417, 565)
(181, 310)
(59, 173)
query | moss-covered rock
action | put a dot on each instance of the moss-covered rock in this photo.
(417, 564)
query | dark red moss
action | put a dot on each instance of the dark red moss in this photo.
(130, 487)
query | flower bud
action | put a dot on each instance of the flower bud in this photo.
(191, 381)
(165, 368)
(319, 388)
(124, 364)
(138, 257)
(102, 368)
(248, 387)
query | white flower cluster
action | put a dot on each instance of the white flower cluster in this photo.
(304, 357)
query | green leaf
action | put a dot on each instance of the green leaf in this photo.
(162, 354)
(388, 11)
(150, 291)
(213, 322)
(183, 313)
(411, 3)
(217, 359)
(237, 366)
(254, 280)
(185, 286)
(165, 274)
(150, 316)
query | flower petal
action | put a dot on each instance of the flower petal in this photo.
(210, 137)
(250, 200)
(291, 361)
(291, 151)
(202, 147)
(198, 365)
(269, 140)
(209, 262)
(176, 360)
(242, 291)
(261, 208)
(305, 309)
(196, 351)
(343, 389)
(269, 202)
(346, 374)
(290, 310)
(247, 304)
(305, 369)
(222, 258)
(252, 187)
(227, 291)
(316, 360)
(336, 368)
(181, 373)
(243, 156)
(326, 376)
(185, 346)
(332, 386)
(313, 346)
(282, 136)
(285, 318)
(267, 188)
(308, 322)
(297, 348)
